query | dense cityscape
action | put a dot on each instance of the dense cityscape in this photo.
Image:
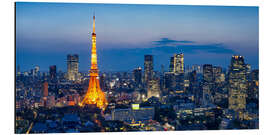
(178, 97)
(197, 98)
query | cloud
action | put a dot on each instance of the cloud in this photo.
(169, 46)
(167, 41)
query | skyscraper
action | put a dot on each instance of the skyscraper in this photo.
(237, 83)
(248, 69)
(179, 63)
(169, 82)
(197, 68)
(194, 86)
(148, 68)
(179, 79)
(94, 94)
(153, 88)
(72, 67)
(253, 89)
(36, 71)
(208, 83)
(171, 68)
(218, 75)
(102, 81)
(192, 76)
(208, 73)
(137, 73)
(53, 72)
(162, 80)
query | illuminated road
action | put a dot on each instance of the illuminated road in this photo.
(31, 125)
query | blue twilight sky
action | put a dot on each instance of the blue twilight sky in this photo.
(47, 32)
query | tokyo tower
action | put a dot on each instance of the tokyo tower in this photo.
(94, 94)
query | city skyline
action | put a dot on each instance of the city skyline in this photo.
(204, 36)
(200, 97)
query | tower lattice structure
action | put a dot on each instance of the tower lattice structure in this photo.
(94, 93)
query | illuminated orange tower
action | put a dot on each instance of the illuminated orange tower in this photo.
(94, 94)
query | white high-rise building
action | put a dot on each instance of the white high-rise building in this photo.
(177, 63)
(73, 67)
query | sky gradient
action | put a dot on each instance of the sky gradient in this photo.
(47, 32)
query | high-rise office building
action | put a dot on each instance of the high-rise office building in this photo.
(208, 84)
(72, 67)
(255, 75)
(153, 88)
(169, 83)
(197, 68)
(52, 72)
(177, 63)
(237, 83)
(253, 89)
(162, 80)
(208, 73)
(192, 77)
(148, 68)
(171, 68)
(218, 75)
(179, 83)
(174, 82)
(207, 95)
(137, 73)
(102, 81)
(248, 69)
(36, 71)
(194, 86)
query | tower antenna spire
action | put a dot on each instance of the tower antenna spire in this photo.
(94, 18)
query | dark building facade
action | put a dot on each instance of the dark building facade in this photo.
(137, 74)
(53, 72)
(208, 73)
(148, 68)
